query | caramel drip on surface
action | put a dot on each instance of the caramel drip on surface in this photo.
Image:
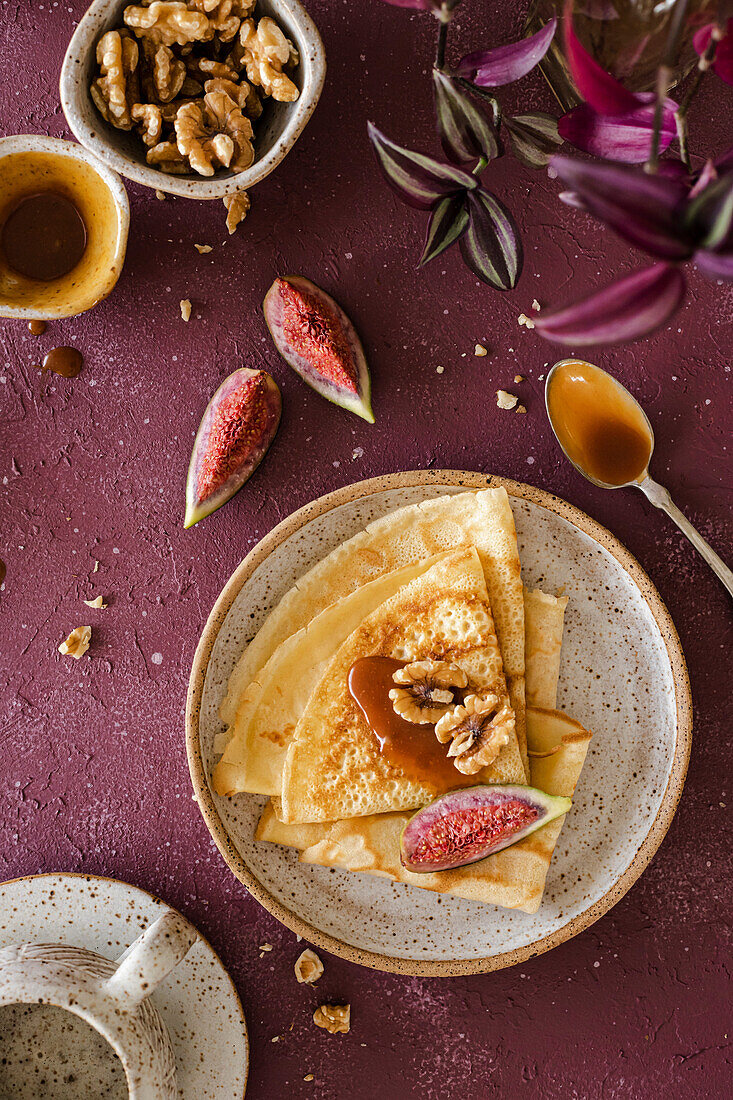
(599, 425)
(37, 328)
(64, 361)
(412, 748)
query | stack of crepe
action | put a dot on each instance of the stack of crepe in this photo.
(439, 580)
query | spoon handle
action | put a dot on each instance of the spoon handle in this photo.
(660, 498)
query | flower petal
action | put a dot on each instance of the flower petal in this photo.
(491, 246)
(599, 89)
(417, 179)
(465, 131)
(448, 222)
(715, 265)
(722, 64)
(643, 209)
(626, 137)
(420, 5)
(626, 310)
(504, 64)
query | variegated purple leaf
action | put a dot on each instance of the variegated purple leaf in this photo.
(504, 64)
(626, 310)
(722, 64)
(534, 137)
(715, 265)
(710, 215)
(448, 222)
(643, 209)
(491, 245)
(599, 89)
(707, 175)
(626, 137)
(465, 132)
(420, 181)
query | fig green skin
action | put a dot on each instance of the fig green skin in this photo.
(196, 509)
(360, 402)
(550, 807)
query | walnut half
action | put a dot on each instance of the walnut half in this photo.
(266, 52)
(478, 731)
(333, 1018)
(214, 133)
(428, 690)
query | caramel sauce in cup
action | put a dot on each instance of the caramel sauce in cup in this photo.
(63, 228)
(600, 427)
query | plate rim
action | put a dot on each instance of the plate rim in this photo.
(468, 480)
(91, 877)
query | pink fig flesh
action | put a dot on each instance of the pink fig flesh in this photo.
(317, 339)
(237, 428)
(468, 825)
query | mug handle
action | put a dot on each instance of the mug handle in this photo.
(150, 959)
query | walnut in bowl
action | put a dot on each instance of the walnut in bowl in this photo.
(222, 60)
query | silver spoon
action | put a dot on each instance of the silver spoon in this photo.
(654, 492)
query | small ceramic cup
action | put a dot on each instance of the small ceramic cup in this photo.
(275, 132)
(113, 998)
(30, 163)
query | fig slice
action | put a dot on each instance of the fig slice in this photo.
(467, 825)
(238, 426)
(317, 339)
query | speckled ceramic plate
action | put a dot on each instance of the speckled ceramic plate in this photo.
(623, 676)
(197, 1001)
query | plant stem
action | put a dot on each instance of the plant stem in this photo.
(665, 73)
(482, 94)
(483, 161)
(680, 115)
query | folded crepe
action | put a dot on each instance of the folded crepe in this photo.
(271, 705)
(334, 768)
(404, 539)
(513, 878)
(544, 618)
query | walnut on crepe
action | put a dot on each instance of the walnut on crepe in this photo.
(426, 690)
(478, 730)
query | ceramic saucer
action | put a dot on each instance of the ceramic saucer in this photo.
(198, 1002)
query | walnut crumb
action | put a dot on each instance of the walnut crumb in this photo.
(308, 1077)
(506, 400)
(77, 642)
(185, 304)
(334, 1018)
(520, 409)
(519, 378)
(523, 319)
(439, 370)
(202, 249)
(480, 350)
(160, 195)
(536, 305)
(96, 566)
(308, 967)
(98, 601)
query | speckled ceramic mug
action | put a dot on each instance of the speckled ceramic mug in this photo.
(110, 997)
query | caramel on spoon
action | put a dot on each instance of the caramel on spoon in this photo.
(607, 436)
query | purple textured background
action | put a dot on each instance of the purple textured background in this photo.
(93, 773)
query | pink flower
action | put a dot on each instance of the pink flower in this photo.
(722, 63)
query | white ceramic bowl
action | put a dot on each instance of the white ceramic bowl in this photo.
(275, 132)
